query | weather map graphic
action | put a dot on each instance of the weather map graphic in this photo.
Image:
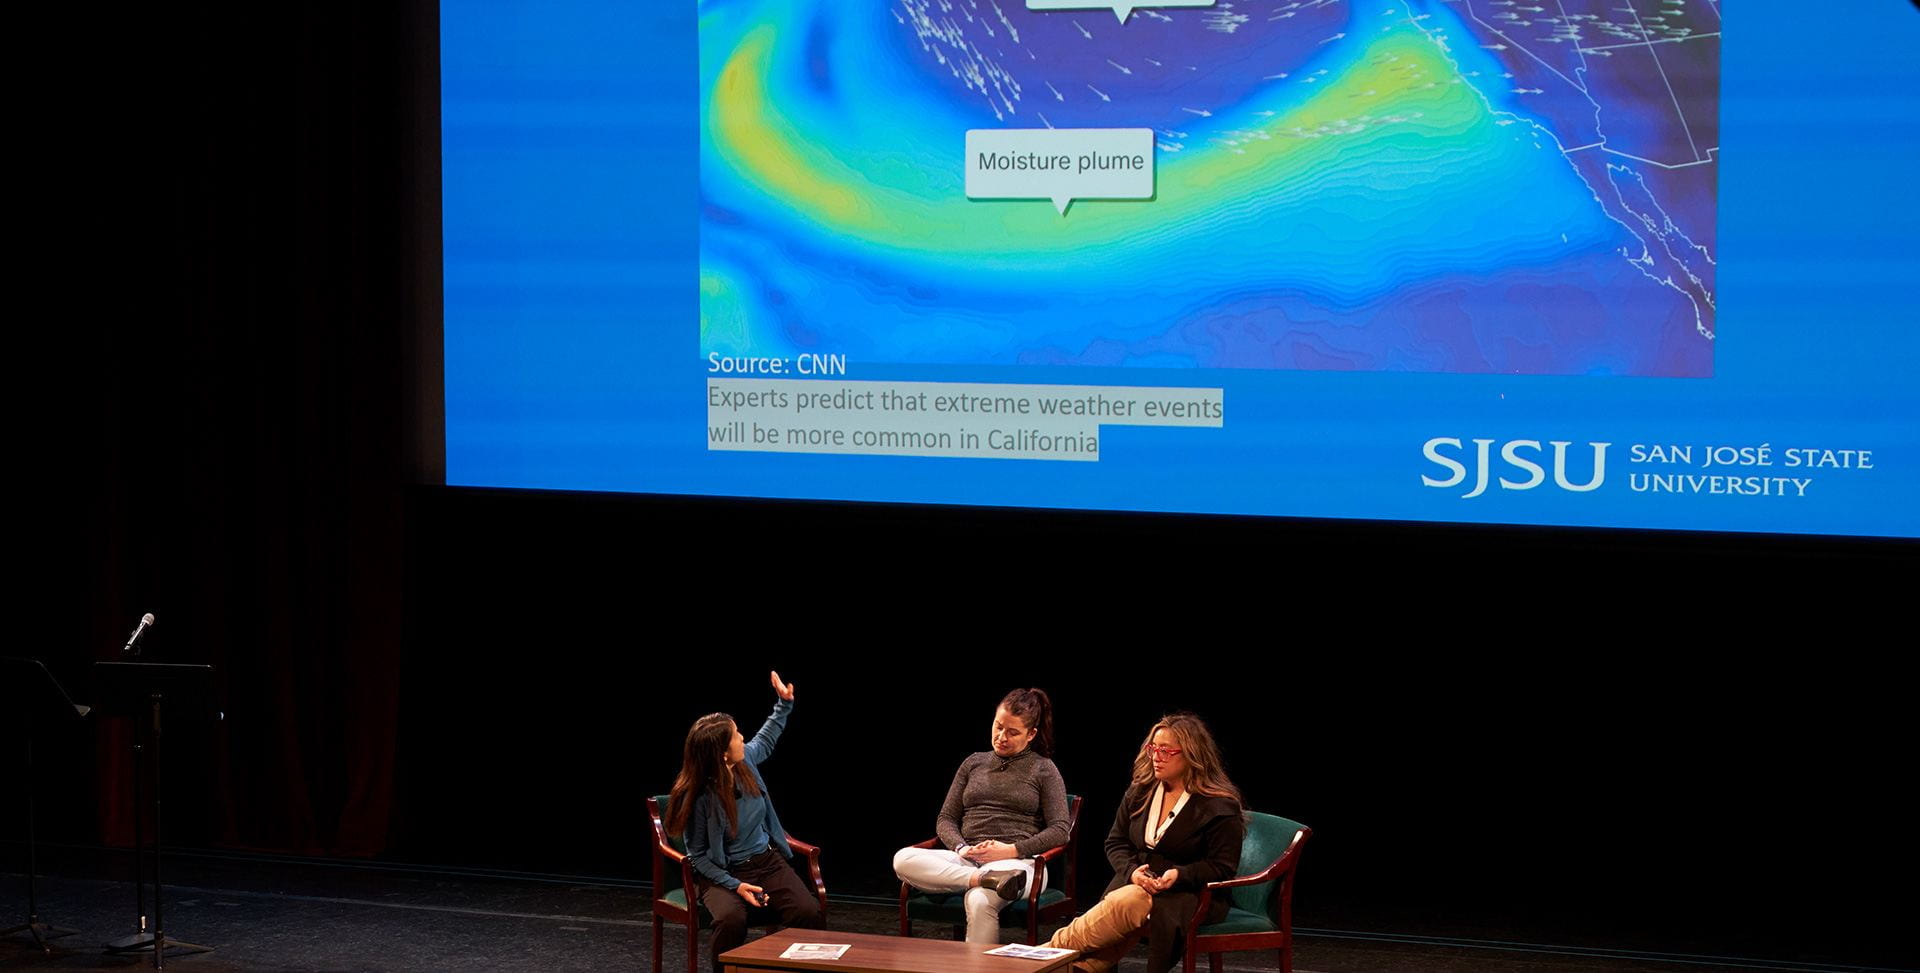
(1514, 186)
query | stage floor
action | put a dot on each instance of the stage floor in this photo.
(262, 914)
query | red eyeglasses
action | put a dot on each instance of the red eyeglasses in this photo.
(1160, 751)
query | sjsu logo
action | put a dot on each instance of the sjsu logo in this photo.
(1519, 456)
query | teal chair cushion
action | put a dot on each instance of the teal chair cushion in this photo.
(947, 907)
(1268, 836)
(1238, 921)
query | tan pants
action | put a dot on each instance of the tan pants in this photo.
(1106, 932)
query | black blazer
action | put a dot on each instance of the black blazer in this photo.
(1203, 843)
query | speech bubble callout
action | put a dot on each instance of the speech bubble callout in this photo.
(1060, 164)
(1120, 10)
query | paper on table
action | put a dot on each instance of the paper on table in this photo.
(816, 951)
(1018, 951)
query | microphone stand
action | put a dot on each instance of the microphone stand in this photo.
(138, 690)
(34, 695)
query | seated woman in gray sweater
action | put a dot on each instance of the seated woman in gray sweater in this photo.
(1005, 806)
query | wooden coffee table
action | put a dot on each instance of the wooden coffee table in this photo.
(880, 954)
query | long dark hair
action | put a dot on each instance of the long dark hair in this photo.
(1206, 774)
(1034, 709)
(703, 768)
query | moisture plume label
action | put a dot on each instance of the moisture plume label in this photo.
(1060, 164)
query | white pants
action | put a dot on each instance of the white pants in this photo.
(940, 870)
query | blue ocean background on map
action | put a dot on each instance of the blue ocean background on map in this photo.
(1338, 189)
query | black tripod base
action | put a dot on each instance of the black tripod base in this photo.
(143, 941)
(40, 931)
(131, 944)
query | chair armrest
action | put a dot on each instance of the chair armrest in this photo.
(1280, 867)
(1043, 861)
(906, 890)
(812, 852)
(1205, 905)
(663, 853)
(1033, 883)
(1267, 876)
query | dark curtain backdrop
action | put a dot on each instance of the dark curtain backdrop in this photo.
(228, 399)
(233, 194)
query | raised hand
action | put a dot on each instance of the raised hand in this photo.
(781, 689)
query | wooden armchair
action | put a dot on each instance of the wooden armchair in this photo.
(673, 884)
(1057, 902)
(1260, 915)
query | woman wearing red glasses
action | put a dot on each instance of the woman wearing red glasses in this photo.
(1179, 827)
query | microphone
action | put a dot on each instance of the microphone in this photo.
(146, 621)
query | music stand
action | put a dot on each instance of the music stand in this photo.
(152, 692)
(31, 692)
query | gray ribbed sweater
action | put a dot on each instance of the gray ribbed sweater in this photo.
(1019, 799)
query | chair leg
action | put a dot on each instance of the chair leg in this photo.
(658, 928)
(693, 946)
(1286, 958)
(1213, 962)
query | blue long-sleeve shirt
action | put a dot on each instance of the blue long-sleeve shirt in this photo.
(750, 836)
(709, 847)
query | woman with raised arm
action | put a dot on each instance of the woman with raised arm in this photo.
(735, 842)
(1179, 827)
(1005, 806)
